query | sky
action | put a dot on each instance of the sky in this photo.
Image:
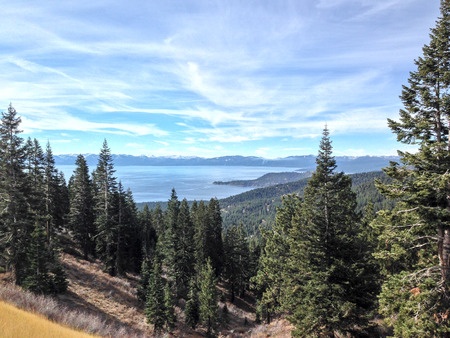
(211, 78)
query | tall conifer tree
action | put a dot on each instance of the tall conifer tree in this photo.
(214, 243)
(81, 216)
(415, 252)
(237, 259)
(105, 187)
(169, 239)
(155, 307)
(332, 289)
(184, 250)
(15, 221)
(208, 308)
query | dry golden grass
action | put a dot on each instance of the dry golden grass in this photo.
(16, 323)
(100, 304)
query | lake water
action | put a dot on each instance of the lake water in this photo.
(154, 183)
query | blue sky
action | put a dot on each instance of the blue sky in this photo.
(211, 78)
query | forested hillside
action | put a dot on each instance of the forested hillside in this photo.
(257, 208)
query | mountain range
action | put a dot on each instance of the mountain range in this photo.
(348, 164)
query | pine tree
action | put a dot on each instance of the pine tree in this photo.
(199, 212)
(149, 238)
(184, 250)
(37, 278)
(207, 297)
(81, 216)
(144, 280)
(45, 274)
(169, 239)
(133, 239)
(169, 305)
(237, 259)
(271, 276)
(56, 196)
(120, 232)
(35, 169)
(192, 309)
(331, 287)
(214, 244)
(105, 187)
(15, 220)
(417, 271)
(155, 308)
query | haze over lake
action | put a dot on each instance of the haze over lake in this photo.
(154, 183)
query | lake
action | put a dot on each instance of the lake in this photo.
(155, 183)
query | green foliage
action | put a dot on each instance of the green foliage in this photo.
(192, 310)
(44, 273)
(105, 186)
(169, 237)
(169, 304)
(316, 264)
(332, 286)
(417, 304)
(155, 305)
(237, 261)
(184, 250)
(81, 215)
(144, 280)
(208, 307)
(15, 218)
(271, 278)
(214, 244)
(256, 209)
(146, 224)
(414, 239)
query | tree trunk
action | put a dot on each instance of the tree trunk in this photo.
(444, 253)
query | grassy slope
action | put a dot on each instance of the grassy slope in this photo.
(16, 323)
(107, 306)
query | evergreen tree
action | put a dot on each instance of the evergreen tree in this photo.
(15, 221)
(37, 278)
(158, 220)
(44, 272)
(105, 187)
(214, 244)
(237, 259)
(144, 280)
(155, 308)
(170, 238)
(149, 238)
(56, 199)
(332, 288)
(133, 239)
(199, 212)
(34, 168)
(208, 308)
(418, 270)
(271, 277)
(120, 232)
(81, 216)
(192, 309)
(169, 304)
(184, 250)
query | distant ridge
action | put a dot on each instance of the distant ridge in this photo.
(349, 164)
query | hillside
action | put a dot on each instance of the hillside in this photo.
(107, 306)
(268, 180)
(12, 319)
(256, 208)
